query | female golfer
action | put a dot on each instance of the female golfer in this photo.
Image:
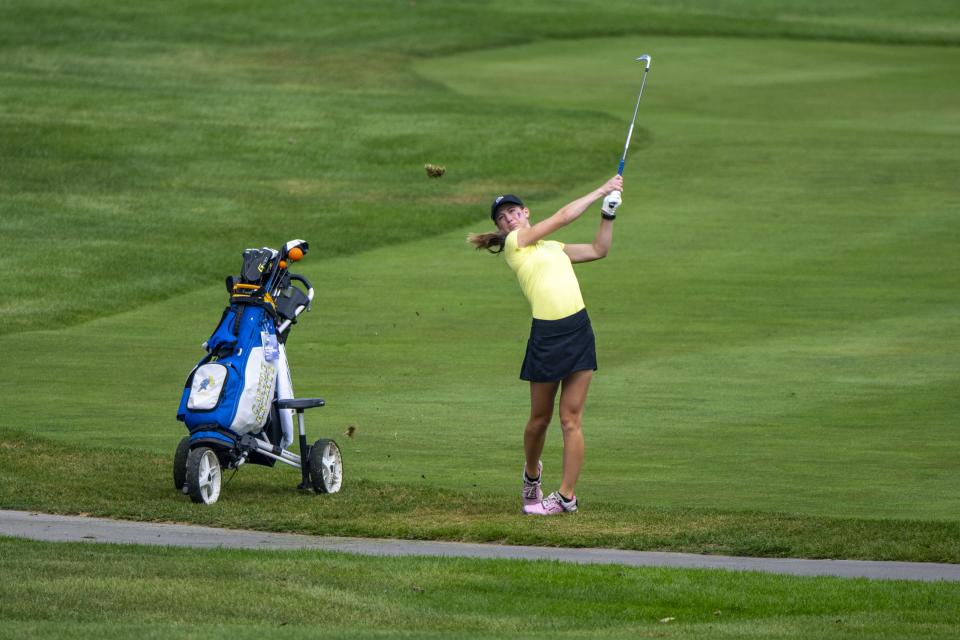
(560, 351)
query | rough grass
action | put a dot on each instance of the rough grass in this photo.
(91, 590)
(137, 485)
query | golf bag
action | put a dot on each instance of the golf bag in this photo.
(233, 386)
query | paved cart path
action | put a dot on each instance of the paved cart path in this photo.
(54, 528)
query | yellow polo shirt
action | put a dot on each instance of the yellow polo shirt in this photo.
(546, 277)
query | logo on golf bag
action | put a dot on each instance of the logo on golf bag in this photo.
(207, 387)
(233, 385)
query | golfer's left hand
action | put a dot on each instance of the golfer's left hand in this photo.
(610, 203)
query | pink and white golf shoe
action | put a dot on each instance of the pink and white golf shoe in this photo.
(532, 493)
(552, 505)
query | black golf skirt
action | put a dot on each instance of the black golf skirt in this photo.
(557, 348)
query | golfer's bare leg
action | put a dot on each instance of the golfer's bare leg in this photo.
(542, 396)
(573, 396)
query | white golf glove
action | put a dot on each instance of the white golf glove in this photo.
(610, 204)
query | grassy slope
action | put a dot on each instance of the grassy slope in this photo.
(131, 136)
(62, 591)
(775, 332)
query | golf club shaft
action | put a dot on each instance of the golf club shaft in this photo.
(623, 159)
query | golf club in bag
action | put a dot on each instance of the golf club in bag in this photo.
(238, 402)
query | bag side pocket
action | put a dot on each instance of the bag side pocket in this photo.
(206, 390)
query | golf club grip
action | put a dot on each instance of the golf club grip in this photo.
(620, 168)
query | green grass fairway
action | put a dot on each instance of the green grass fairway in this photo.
(74, 590)
(776, 322)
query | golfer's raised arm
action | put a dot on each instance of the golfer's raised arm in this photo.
(595, 251)
(567, 213)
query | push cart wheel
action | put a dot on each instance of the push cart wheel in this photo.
(326, 466)
(180, 464)
(203, 475)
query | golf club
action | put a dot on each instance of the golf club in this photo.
(623, 159)
(613, 200)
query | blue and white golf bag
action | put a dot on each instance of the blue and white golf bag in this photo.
(233, 386)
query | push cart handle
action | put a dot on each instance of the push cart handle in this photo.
(306, 283)
(286, 323)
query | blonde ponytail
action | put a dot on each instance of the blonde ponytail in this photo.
(488, 241)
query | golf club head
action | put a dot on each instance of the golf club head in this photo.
(301, 244)
(646, 60)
